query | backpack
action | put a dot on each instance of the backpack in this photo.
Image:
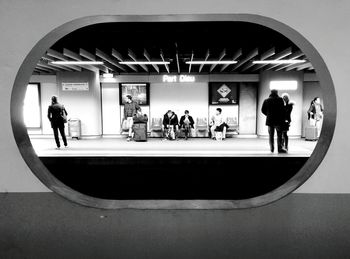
(64, 114)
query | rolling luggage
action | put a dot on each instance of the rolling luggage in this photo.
(311, 133)
(74, 128)
(140, 132)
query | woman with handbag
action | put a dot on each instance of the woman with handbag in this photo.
(288, 108)
(315, 114)
(57, 115)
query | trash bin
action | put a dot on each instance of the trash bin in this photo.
(74, 128)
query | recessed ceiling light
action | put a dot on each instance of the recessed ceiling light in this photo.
(77, 62)
(144, 62)
(214, 62)
(280, 61)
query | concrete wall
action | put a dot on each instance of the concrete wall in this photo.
(179, 97)
(85, 105)
(111, 123)
(248, 108)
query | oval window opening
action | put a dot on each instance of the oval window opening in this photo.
(203, 111)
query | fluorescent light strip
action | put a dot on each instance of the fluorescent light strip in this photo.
(144, 62)
(284, 85)
(107, 75)
(217, 62)
(280, 61)
(77, 62)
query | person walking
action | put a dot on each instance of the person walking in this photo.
(130, 108)
(273, 109)
(57, 116)
(186, 124)
(288, 108)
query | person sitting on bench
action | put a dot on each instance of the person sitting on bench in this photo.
(218, 124)
(170, 125)
(186, 124)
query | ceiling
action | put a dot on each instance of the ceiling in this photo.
(177, 42)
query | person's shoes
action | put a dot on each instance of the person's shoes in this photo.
(282, 151)
(272, 151)
(58, 148)
(66, 146)
(128, 139)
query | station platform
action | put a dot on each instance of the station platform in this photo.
(196, 147)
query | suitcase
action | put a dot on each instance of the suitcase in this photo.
(311, 133)
(140, 132)
(74, 128)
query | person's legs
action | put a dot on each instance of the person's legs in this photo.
(318, 124)
(285, 139)
(224, 132)
(187, 131)
(212, 130)
(63, 135)
(130, 123)
(55, 133)
(271, 130)
(279, 140)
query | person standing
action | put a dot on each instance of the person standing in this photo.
(186, 123)
(57, 116)
(273, 109)
(288, 108)
(315, 114)
(130, 108)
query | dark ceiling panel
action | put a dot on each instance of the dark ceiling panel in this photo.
(177, 41)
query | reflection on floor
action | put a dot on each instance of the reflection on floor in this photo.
(116, 147)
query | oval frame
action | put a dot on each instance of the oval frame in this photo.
(38, 168)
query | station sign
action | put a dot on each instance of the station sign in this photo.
(179, 79)
(75, 86)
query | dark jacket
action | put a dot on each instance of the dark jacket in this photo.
(130, 109)
(55, 114)
(311, 113)
(273, 109)
(173, 120)
(182, 121)
(288, 108)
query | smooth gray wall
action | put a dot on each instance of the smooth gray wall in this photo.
(24, 23)
(83, 105)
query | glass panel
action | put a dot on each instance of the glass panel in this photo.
(31, 107)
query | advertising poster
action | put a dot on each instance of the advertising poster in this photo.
(138, 91)
(221, 93)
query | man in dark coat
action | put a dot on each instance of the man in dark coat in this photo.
(56, 113)
(186, 124)
(273, 109)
